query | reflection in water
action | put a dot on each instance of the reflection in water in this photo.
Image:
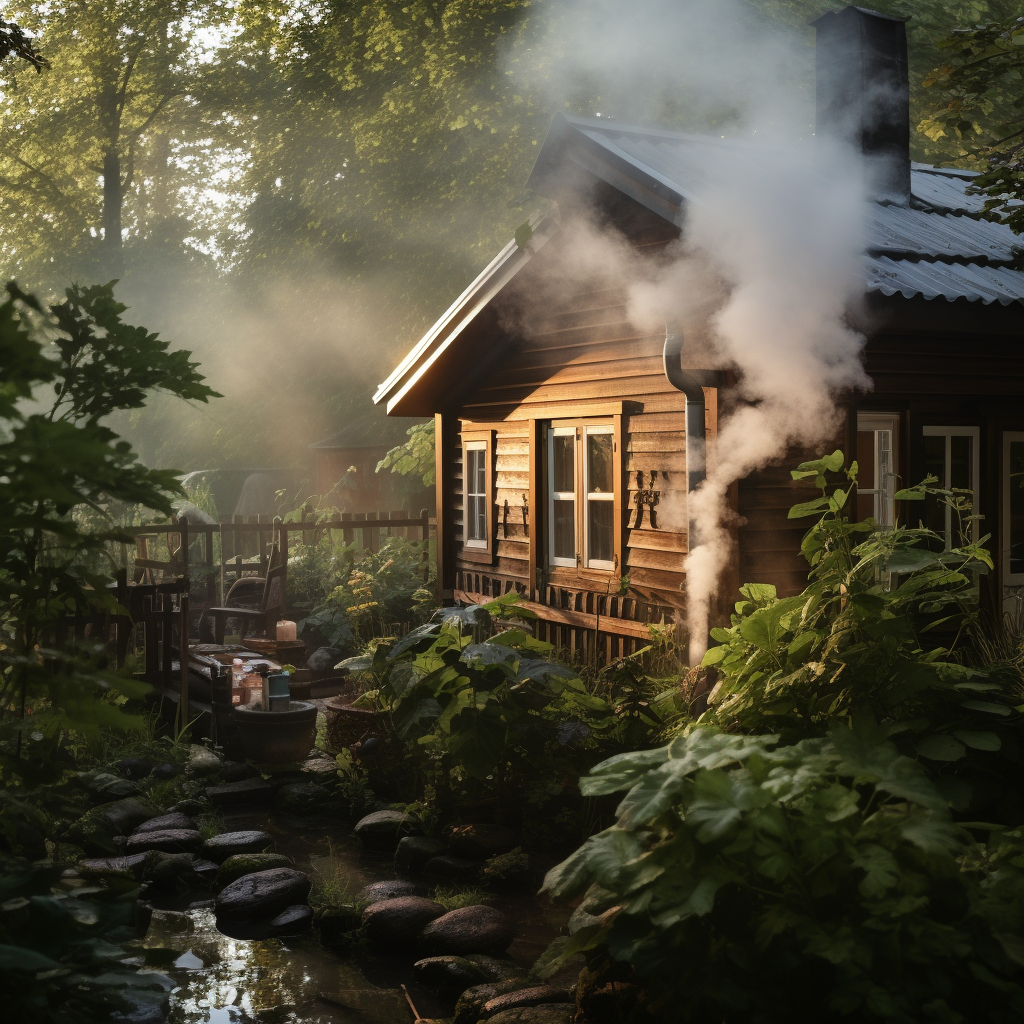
(293, 980)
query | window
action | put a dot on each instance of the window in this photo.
(583, 480)
(876, 467)
(477, 495)
(951, 455)
(1013, 508)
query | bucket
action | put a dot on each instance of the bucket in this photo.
(276, 737)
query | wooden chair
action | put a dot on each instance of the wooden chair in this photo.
(271, 605)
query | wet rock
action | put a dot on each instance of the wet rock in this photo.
(202, 761)
(294, 920)
(174, 820)
(167, 771)
(95, 830)
(389, 890)
(235, 771)
(478, 842)
(533, 996)
(247, 794)
(338, 925)
(546, 1013)
(206, 869)
(383, 829)
(191, 806)
(239, 864)
(479, 929)
(494, 969)
(447, 973)
(171, 840)
(263, 894)
(104, 787)
(132, 866)
(322, 661)
(471, 1002)
(170, 870)
(219, 848)
(398, 922)
(306, 798)
(135, 768)
(414, 852)
(452, 869)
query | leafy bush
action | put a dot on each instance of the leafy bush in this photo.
(824, 880)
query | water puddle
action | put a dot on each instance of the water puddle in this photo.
(294, 980)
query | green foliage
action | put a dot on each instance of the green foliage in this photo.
(455, 897)
(747, 881)
(377, 589)
(60, 950)
(414, 457)
(980, 109)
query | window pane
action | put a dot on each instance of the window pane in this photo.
(865, 474)
(599, 464)
(960, 462)
(935, 465)
(564, 528)
(563, 462)
(481, 472)
(1015, 482)
(600, 520)
(476, 494)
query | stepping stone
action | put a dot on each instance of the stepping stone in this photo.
(104, 787)
(494, 969)
(167, 771)
(206, 869)
(113, 867)
(383, 829)
(471, 1002)
(306, 798)
(398, 922)
(447, 973)
(295, 920)
(546, 1013)
(414, 852)
(479, 929)
(239, 864)
(389, 890)
(534, 996)
(219, 848)
(202, 762)
(478, 842)
(247, 793)
(172, 840)
(174, 820)
(135, 768)
(263, 894)
(452, 869)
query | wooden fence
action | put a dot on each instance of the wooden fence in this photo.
(221, 553)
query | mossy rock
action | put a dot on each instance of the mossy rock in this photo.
(239, 864)
(470, 1006)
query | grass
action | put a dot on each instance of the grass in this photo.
(455, 897)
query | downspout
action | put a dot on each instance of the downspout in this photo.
(691, 383)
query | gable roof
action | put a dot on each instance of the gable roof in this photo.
(939, 247)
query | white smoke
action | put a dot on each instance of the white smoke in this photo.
(769, 261)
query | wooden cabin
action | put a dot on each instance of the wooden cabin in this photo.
(561, 444)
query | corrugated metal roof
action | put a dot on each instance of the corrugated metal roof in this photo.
(903, 230)
(932, 279)
(938, 247)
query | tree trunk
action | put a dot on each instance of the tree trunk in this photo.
(113, 196)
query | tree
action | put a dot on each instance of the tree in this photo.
(98, 149)
(53, 462)
(979, 110)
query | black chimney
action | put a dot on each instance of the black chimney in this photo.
(863, 95)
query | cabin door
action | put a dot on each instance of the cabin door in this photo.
(1012, 546)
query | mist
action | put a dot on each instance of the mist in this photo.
(769, 260)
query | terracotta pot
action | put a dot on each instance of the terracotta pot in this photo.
(276, 737)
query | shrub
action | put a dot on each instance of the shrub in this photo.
(750, 882)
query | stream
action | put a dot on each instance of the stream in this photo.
(294, 980)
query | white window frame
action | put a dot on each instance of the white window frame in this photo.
(554, 495)
(588, 497)
(1009, 579)
(883, 486)
(468, 484)
(975, 434)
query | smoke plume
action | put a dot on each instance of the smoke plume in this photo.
(769, 260)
